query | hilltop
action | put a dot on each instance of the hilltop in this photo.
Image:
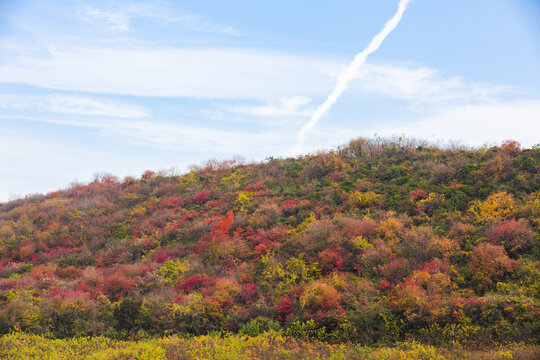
(376, 241)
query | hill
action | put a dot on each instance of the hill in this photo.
(376, 241)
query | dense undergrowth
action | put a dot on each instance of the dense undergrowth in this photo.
(270, 345)
(377, 242)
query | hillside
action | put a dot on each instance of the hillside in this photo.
(375, 242)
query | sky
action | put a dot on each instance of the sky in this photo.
(118, 87)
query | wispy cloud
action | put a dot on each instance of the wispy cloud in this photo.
(191, 22)
(475, 124)
(85, 106)
(166, 72)
(110, 20)
(234, 73)
(422, 85)
(120, 18)
(183, 137)
(272, 92)
(290, 106)
(275, 92)
(71, 105)
(177, 136)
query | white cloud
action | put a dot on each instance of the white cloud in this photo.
(422, 85)
(106, 19)
(55, 120)
(74, 105)
(179, 137)
(119, 18)
(476, 124)
(71, 105)
(191, 22)
(449, 107)
(188, 72)
(285, 84)
(183, 137)
(235, 73)
(290, 106)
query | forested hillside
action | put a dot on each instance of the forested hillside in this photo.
(376, 241)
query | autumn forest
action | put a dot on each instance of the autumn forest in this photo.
(375, 243)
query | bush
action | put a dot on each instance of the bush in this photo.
(259, 325)
(515, 235)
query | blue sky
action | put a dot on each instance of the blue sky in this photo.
(120, 87)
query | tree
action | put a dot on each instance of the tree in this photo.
(515, 235)
(489, 263)
(495, 208)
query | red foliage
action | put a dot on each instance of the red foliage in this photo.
(241, 233)
(274, 235)
(489, 263)
(323, 210)
(196, 281)
(259, 187)
(259, 251)
(395, 270)
(331, 259)
(437, 266)
(170, 202)
(117, 286)
(337, 176)
(455, 185)
(90, 290)
(68, 294)
(297, 291)
(225, 225)
(285, 308)
(68, 273)
(175, 224)
(201, 197)
(135, 233)
(418, 194)
(250, 293)
(221, 227)
(148, 174)
(109, 179)
(510, 147)
(289, 205)
(220, 204)
(385, 284)
(180, 298)
(41, 271)
(513, 234)
(355, 227)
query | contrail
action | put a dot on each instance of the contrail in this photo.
(349, 73)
